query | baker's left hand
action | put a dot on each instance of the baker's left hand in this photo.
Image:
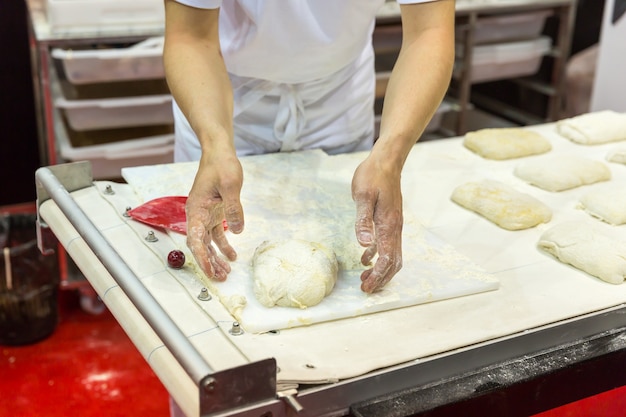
(377, 193)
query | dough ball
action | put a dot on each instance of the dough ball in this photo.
(606, 203)
(502, 204)
(506, 143)
(587, 247)
(617, 155)
(562, 172)
(293, 273)
(594, 128)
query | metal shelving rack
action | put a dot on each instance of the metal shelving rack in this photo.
(43, 39)
(467, 14)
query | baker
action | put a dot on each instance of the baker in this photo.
(258, 76)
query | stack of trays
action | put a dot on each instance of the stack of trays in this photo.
(115, 107)
(507, 46)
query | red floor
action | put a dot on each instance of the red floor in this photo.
(89, 367)
(608, 404)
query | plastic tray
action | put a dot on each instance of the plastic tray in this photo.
(506, 60)
(509, 27)
(107, 160)
(141, 61)
(78, 15)
(117, 112)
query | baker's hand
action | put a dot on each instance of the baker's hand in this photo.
(214, 197)
(378, 197)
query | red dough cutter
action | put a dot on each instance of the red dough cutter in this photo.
(164, 212)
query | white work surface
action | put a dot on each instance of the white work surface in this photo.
(307, 196)
(535, 289)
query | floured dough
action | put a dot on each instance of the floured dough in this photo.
(587, 247)
(606, 203)
(594, 128)
(293, 273)
(506, 143)
(617, 155)
(562, 172)
(502, 204)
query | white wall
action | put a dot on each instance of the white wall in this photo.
(609, 91)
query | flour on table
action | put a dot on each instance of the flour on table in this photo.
(293, 273)
(588, 247)
(594, 128)
(235, 304)
(306, 208)
(606, 203)
(502, 204)
(562, 172)
(506, 143)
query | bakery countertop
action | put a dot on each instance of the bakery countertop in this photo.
(537, 295)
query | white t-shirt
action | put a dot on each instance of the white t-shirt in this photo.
(302, 73)
(308, 39)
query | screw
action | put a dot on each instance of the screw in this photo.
(209, 384)
(236, 330)
(126, 212)
(151, 237)
(204, 295)
(109, 190)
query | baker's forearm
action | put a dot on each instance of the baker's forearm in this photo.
(418, 82)
(196, 74)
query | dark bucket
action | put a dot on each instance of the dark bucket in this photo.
(29, 283)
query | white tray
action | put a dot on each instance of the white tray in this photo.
(70, 15)
(141, 61)
(117, 112)
(509, 27)
(107, 160)
(506, 60)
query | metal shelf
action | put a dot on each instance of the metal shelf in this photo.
(564, 11)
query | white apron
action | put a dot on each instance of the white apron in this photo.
(334, 113)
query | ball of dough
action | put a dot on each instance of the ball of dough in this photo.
(506, 143)
(293, 273)
(502, 204)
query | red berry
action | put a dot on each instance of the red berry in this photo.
(176, 259)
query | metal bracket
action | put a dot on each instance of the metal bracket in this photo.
(238, 387)
(73, 176)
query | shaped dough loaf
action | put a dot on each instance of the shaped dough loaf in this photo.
(617, 155)
(506, 143)
(607, 204)
(594, 128)
(502, 204)
(562, 172)
(293, 273)
(588, 248)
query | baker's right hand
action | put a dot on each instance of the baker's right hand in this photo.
(214, 197)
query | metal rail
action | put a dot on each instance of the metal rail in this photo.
(172, 337)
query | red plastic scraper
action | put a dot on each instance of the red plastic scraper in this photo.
(165, 212)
